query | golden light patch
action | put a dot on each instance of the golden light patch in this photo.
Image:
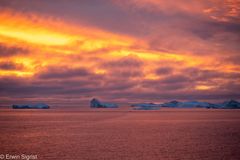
(37, 36)
(151, 76)
(203, 87)
(22, 27)
(100, 71)
(52, 32)
(16, 73)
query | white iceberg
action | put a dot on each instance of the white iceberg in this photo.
(95, 103)
(31, 106)
(232, 104)
(146, 106)
(189, 104)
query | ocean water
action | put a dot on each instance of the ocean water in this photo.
(98, 134)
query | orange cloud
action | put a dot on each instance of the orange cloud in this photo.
(38, 30)
(60, 54)
(46, 38)
(50, 41)
(218, 10)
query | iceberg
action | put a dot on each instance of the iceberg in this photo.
(95, 103)
(31, 106)
(189, 104)
(231, 104)
(171, 104)
(146, 106)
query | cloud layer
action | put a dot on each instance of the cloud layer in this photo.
(120, 51)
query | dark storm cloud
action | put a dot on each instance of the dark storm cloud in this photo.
(234, 59)
(10, 66)
(101, 13)
(118, 84)
(6, 51)
(122, 74)
(192, 77)
(206, 28)
(164, 87)
(226, 26)
(197, 74)
(164, 70)
(20, 87)
(63, 72)
(178, 78)
(125, 67)
(231, 86)
(42, 89)
(114, 89)
(125, 62)
(23, 87)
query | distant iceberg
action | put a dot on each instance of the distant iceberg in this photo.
(232, 104)
(95, 103)
(189, 104)
(31, 106)
(146, 106)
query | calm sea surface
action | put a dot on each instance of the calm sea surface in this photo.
(171, 134)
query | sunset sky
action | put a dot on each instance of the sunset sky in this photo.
(67, 52)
